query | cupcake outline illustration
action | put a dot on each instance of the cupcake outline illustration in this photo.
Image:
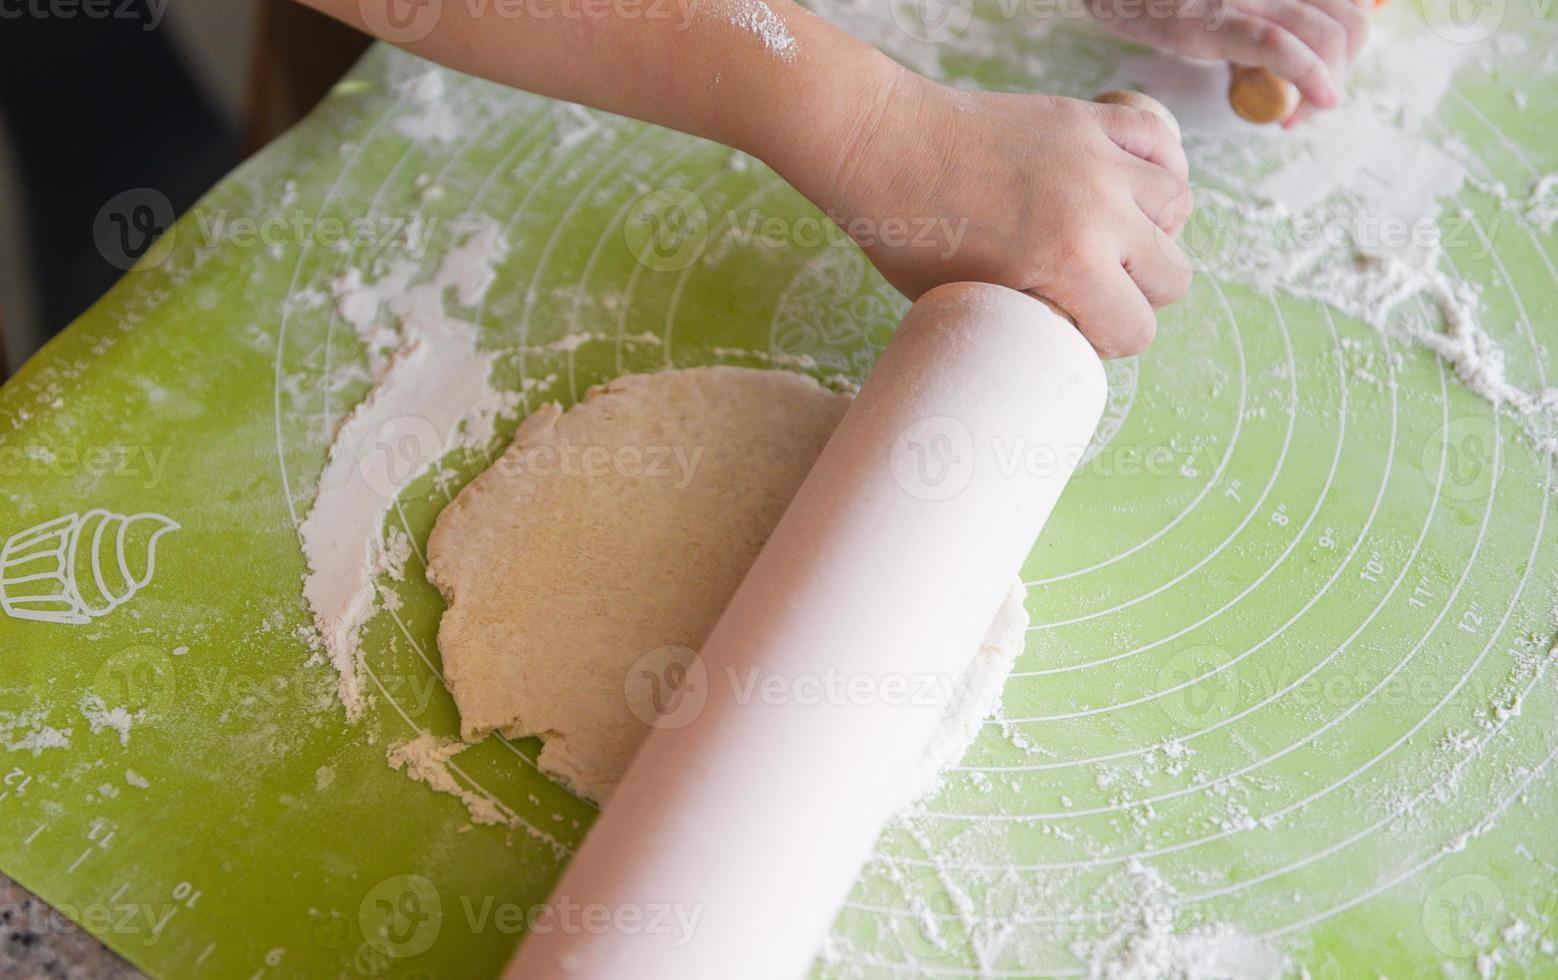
(80, 567)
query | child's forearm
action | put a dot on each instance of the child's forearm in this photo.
(770, 79)
(1075, 202)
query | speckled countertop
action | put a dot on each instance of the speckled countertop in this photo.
(37, 941)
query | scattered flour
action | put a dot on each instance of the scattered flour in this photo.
(394, 552)
(794, 362)
(426, 759)
(1346, 209)
(1540, 207)
(1145, 944)
(432, 396)
(28, 731)
(431, 117)
(100, 717)
(977, 694)
(572, 124)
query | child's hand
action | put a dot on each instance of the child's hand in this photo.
(1311, 43)
(1074, 202)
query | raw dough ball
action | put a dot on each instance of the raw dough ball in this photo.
(621, 527)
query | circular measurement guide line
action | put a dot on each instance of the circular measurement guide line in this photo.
(1455, 592)
(1433, 791)
(1530, 564)
(521, 209)
(1298, 681)
(1335, 575)
(1214, 480)
(1379, 496)
(1255, 508)
(1468, 758)
(615, 225)
(1460, 583)
(292, 288)
(682, 277)
(631, 286)
(606, 235)
(1433, 504)
(602, 172)
(1523, 322)
(1497, 131)
(1353, 552)
(411, 539)
(1281, 630)
(1411, 872)
(522, 148)
(1483, 547)
(629, 291)
(525, 141)
(1537, 243)
(1496, 633)
(1296, 538)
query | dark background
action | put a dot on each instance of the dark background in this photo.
(120, 95)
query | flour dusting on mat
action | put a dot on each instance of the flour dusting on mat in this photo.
(432, 395)
(431, 117)
(1146, 945)
(100, 717)
(426, 759)
(429, 760)
(29, 731)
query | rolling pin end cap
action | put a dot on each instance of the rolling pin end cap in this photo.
(1260, 97)
(1146, 103)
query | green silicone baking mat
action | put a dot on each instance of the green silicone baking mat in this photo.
(1287, 701)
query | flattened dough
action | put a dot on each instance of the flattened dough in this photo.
(622, 526)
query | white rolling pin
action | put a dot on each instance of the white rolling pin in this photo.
(756, 817)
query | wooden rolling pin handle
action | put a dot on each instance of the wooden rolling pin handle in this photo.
(1138, 100)
(1260, 96)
